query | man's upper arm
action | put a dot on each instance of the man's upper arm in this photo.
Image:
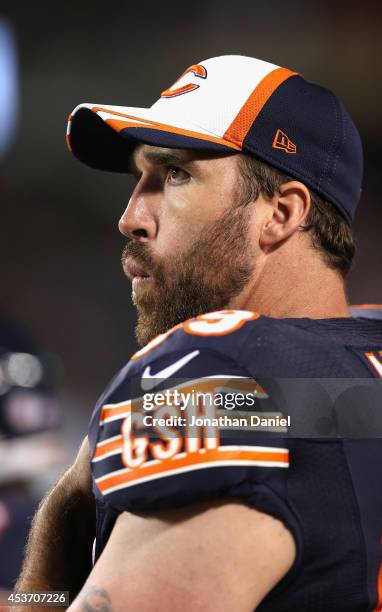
(223, 556)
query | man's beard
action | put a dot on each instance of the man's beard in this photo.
(202, 279)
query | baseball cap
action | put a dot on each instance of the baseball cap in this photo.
(235, 103)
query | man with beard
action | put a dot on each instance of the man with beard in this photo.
(238, 243)
(195, 271)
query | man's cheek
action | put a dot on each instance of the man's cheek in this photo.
(173, 242)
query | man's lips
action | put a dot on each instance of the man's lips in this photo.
(134, 270)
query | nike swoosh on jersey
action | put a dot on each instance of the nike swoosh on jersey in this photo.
(149, 381)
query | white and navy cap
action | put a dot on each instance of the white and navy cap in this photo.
(235, 103)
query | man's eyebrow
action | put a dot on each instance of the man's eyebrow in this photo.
(161, 158)
(167, 158)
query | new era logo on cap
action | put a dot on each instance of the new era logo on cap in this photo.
(234, 103)
(283, 142)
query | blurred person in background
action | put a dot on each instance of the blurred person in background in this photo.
(31, 449)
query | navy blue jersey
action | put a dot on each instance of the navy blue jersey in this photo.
(320, 474)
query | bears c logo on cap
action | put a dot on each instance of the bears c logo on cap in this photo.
(198, 70)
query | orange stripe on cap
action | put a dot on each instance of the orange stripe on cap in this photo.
(120, 124)
(68, 143)
(241, 125)
(155, 469)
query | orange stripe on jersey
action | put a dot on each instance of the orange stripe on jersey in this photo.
(375, 362)
(260, 456)
(241, 125)
(110, 412)
(108, 446)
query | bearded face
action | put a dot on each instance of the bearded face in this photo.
(204, 277)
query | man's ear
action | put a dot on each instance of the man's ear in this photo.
(291, 206)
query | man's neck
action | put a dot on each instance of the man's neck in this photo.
(295, 291)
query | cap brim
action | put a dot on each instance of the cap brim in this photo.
(103, 137)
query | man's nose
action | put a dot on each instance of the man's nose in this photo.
(138, 221)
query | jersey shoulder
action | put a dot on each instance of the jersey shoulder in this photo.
(242, 336)
(260, 346)
(245, 341)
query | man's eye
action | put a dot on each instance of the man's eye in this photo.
(176, 175)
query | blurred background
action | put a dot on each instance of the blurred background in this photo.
(61, 279)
